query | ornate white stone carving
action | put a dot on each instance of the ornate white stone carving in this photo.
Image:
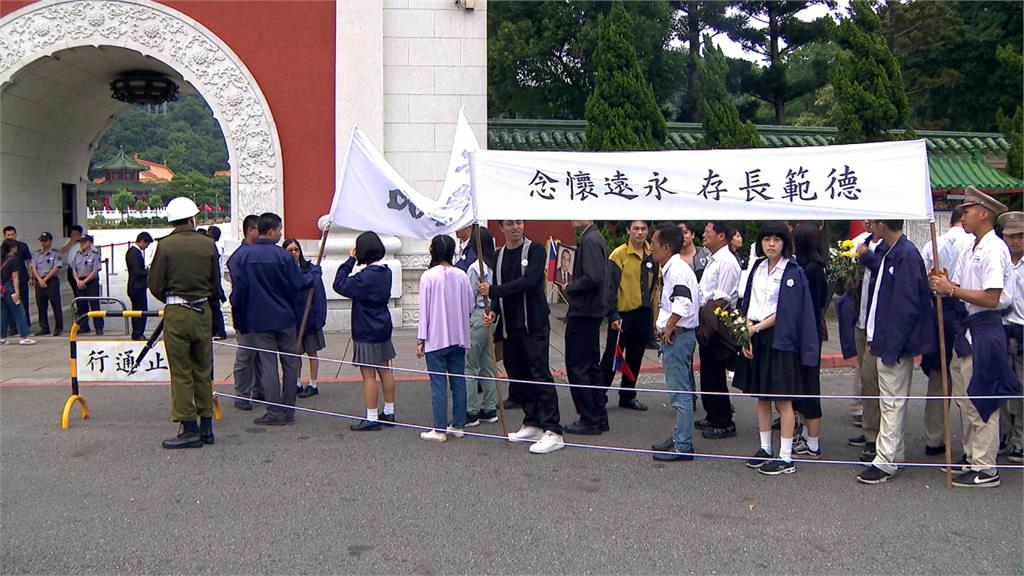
(415, 261)
(254, 150)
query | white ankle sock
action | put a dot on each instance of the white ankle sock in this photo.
(389, 408)
(766, 441)
(312, 383)
(786, 450)
(371, 414)
(812, 442)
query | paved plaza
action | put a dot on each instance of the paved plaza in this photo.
(314, 498)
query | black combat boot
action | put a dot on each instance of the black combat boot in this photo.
(188, 437)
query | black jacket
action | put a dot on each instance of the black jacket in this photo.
(136, 262)
(523, 288)
(588, 291)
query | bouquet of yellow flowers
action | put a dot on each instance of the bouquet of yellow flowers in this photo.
(735, 323)
(842, 264)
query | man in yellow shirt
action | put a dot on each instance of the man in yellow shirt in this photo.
(633, 277)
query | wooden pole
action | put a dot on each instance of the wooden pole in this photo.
(490, 337)
(310, 293)
(936, 267)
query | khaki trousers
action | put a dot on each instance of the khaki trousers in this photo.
(933, 410)
(867, 367)
(981, 439)
(190, 360)
(1011, 413)
(892, 381)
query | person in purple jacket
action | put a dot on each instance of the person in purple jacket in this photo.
(783, 338)
(370, 291)
(263, 306)
(446, 303)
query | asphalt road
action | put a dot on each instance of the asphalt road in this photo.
(316, 498)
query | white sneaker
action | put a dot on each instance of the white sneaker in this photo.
(26, 342)
(548, 443)
(434, 436)
(3, 340)
(526, 434)
(457, 432)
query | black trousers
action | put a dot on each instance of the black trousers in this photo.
(140, 301)
(219, 330)
(91, 289)
(636, 328)
(712, 379)
(583, 366)
(49, 297)
(526, 358)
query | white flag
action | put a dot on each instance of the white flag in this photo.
(371, 195)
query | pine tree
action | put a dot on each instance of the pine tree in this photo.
(719, 116)
(870, 99)
(621, 112)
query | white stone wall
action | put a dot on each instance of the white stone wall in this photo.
(432, 60)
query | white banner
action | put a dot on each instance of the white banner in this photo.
(111, 360)
(371, 195)
(885, 180)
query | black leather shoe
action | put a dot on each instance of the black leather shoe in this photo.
(666, 446)
(604, 426)
(184, 439)
(702, 424)
(139, 338)
(308, 391)
(57, 332)
(43, 332)
(270, 419)
(582, 429)
(935, 450)
(99, 332)
(365, 426)
(633, 404)
(243, 405)
(672, 456)
(387, 420)
(719, 433)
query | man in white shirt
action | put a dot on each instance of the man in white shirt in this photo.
(677, 319)
(870, 251)
(982, 281)
(719, 286)
(951, 245)
(1012, 413)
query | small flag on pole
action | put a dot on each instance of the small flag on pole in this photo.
(619, 363)
(552, 258)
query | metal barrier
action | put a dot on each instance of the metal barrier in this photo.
(101, 300)
(76, 396)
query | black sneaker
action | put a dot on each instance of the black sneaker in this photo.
(869, 452)
(760, 459)
(489, 416)
(874, 475)
(387, 420)
(472, 420)
(365, 425)
(777, 467)
(1016, 455)
(308, 391)
(934, 450)
(270, 419)
(958, 466)
(803, 452)
(974, 479)
(702, 424)
(857, 440)
(719, 433)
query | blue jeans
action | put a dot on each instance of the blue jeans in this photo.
(453, 361)
(12, 316)
(677, 360)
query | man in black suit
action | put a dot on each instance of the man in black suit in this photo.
(135, 259)
(587, 293)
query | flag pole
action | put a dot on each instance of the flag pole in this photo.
(942, 361)
(490, 335)
(312, 290)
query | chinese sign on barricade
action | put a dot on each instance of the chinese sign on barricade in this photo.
(111, 361)
(882, 180)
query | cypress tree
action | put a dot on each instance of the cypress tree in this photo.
(621, 111)
(719, 116)
(870, 98)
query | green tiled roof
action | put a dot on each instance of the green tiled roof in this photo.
(567, 135)
(954, 157)
(953, 173)
(122, 162)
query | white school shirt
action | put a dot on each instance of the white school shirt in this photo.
(721, 278)
(878, 285)
(865, 287)
(986, 266)
(1015, 313)
(952, 244)
(676, 272)
(764, 291)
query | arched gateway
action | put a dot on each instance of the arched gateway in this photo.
(57, 58)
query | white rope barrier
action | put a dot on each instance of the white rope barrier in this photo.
(598, 447)
(645, 390)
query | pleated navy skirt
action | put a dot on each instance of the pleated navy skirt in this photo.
(770, 371)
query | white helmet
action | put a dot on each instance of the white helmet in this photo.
(181, 208)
